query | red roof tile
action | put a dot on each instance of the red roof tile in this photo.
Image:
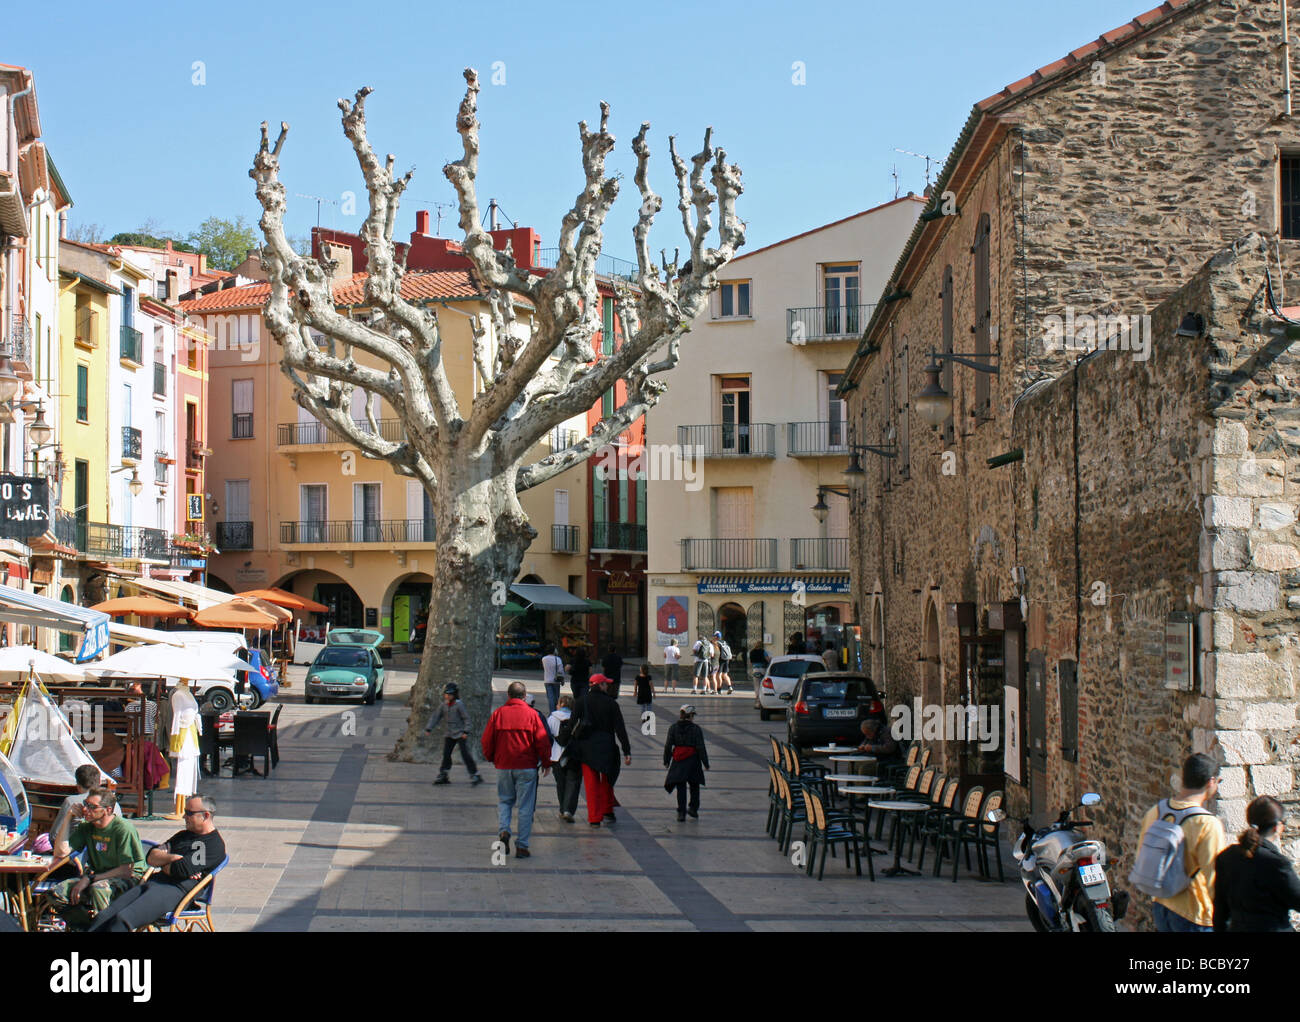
(429, 285)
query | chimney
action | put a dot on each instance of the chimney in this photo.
(342, 255)
(422, 222)
(63, 224)
(173, 285)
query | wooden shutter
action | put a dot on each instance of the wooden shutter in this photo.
(947, 347)
(983, 312)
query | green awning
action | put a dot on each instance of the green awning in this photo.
(546, 597)
(599, 606)
(511, 608)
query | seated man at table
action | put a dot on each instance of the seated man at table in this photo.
(182, 861)
(878, 742)
(114, 858)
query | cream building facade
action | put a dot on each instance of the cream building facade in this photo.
(733, 543)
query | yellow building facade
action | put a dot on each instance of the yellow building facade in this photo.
(83, 413)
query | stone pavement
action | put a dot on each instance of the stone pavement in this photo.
(339, 838)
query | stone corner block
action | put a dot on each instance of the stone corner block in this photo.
(1272, 780)
(1243, 747)
(1228, 512)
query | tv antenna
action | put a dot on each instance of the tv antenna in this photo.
(438, 208)
(318, 199)
(894, 172)
(929, 161)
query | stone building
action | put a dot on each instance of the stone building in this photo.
(1099, 540)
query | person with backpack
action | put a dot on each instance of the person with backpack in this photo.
(567, 768)
(1255, 885)
(702, 651)
(686, 759)
(723, 677)
(1179, 843)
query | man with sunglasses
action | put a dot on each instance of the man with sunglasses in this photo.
(114, 858)
(182, 861)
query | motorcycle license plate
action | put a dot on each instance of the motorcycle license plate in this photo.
(1092, 874)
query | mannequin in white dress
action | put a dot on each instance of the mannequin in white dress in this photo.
(186, 728)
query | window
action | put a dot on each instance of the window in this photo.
(237, 500)
(733, 512)
(365, 512)
(834, 414)
(1290, 192)
(734, 395)
(733, 299)
(841, 299)
(607, 326)
(160, 430)
(313, 507)
(241, 404)
(39, 347)
(983, 313)
(946, 296)
(160, 512)
(83, 392)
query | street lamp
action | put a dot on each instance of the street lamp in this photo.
(134, 484)
(40, 430)
(934, 404)
(10, 384)
(821, 509)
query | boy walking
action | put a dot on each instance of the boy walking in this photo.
(458, 731)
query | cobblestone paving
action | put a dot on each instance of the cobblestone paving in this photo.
(339, 838)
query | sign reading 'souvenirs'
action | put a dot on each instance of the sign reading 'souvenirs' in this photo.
(24, 506)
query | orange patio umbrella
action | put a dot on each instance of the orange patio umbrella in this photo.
(283, 598)
(238, 614)
(144, 606)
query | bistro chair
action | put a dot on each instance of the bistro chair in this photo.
(790, 815)
(274, 734)
(773, 800)
(959, 832)
(937, 818)
(925, 758)
(800, 779)
(932, 784)
(988, 834)
(195, 909)
(252, 739)
(826, 832)
(895, 772)
(42, 913)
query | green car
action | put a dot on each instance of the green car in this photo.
(348, 667)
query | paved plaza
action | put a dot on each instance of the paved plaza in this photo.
(340, 838)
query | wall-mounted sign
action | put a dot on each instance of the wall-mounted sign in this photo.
(194, 507)
(1180, 639)
(621, 582)
(773, 584)
(24, 506)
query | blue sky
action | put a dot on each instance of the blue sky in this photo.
(134, 138)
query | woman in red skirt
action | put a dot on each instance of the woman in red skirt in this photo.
(602, 725)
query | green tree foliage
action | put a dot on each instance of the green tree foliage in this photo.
(147, 240)
(224, 242)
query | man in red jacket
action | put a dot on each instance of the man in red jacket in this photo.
(515, 740)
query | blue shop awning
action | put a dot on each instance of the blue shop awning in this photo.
(24, 608)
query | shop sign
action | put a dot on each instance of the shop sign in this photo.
(810, 586)
(24, 506)
(621, 582)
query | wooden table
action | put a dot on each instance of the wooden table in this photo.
(16, 874)
(898, 809)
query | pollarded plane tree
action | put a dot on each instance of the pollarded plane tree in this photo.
(535, 371)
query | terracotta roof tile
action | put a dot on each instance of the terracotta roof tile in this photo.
(429, 285)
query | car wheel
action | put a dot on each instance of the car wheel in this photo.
(764, 714)
(257, 698)
(380, 694)
(370, 696)
(308, 699)
(219, 700)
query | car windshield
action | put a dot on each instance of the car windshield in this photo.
(837, 691)
(343, 658)
(791, 669)
(361, 638)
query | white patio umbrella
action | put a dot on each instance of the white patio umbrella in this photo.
(16, 661)
(205, 664)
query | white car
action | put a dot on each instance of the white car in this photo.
(780, 677)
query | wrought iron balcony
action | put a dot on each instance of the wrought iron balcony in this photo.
(826, 323)
(746, 440)
(561, 439)
(87, 335)
(234, 536)
(159, 380)
(729, 554)
(347, 532)
(122, 542)
(308, 434)
(241, 426)
(132, 443)
(65, 528)
(819, 553)
(618, 536)
(606, 265)
(566, 539)
(808, 439)
(131, 344)
(18, 339)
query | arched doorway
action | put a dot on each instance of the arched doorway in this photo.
(220, 584)
(733, 624)
(67, 642)
(408, 600)
(931, 670)
(346, 610)
(878, 644)
(823, 624)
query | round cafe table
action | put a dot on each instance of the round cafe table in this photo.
(830, 749)
(898, 809)
(16, 874)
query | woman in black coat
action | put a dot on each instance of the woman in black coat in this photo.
(686, 759)
(602, 723)
(1254, 883)
(579, 673)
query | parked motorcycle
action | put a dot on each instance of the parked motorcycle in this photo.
(1064, 874)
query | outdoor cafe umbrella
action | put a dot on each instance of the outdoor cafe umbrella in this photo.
(170, 662)
(143, 606)
(238, 613)
(17, 661)
(282, 598)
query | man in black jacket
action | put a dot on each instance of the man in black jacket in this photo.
(182, 861)
(612, 665)
(602, 723)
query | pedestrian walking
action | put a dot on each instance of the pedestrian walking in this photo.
(672, 658)
(601, 725)
(686, 759)
(579, 673)
(796, 645)
(1179, 843)
(1255, 885)
(702, 650)
(724, 663)
(564, 765)
(552, 678)
(516, 742)
(612, 668)
(715, 658)
(644, 689)
(458, 731)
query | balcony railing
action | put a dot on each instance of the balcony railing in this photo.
(606, 265)
(234, 536)
(729, 554)
(159, 380)
(561, 439)
(18, 338)
(87, 335)
(65, 528)
(122, 542)
(812, 438)
(132, 443)
(306, 434)
(566, 539)
(826, 323)
(386, 530)
(181, 558)
(746, 440)
(195, 452)
(820, 553)
(241, 426)
(618, 536)
(131, 343)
